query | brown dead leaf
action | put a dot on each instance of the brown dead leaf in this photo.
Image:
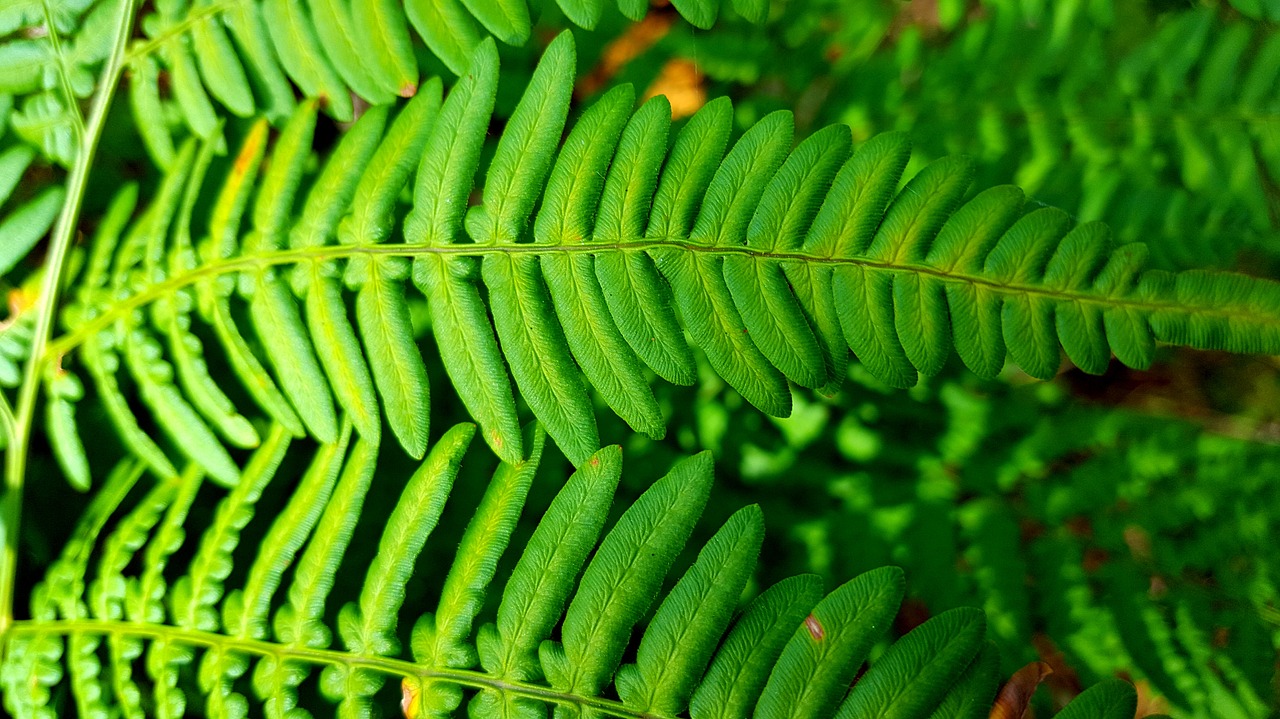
(683, 85)
(1015, 696)
(1149, 702)
(631, 44)
(1064, 684)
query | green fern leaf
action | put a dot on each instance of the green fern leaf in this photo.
(383, 26)
(107, 594)
(740, 669)
(972, 694)
(928, 661)
(293, 36)
(193, 59)
(172, 316)
(543, 578)
(594, 261)
(1109, 699)
(639, 301)
(620, 582)
(62, 392)
(824, 653)
(23, 226)
(333, 22)
(679, 641)
(218, 623)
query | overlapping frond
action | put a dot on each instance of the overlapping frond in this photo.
(1130, 512)
(196, 59)
(774, 261)
(1174, 133)
(791, 652)
(49, 53)
(42, 78)
(1216, 81)
(17, 330)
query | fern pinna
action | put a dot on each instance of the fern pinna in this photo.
(791, 653)
(774, 261)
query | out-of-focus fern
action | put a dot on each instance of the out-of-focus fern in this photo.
(196, 59)
(1176, 136)
(16, 335)
(23, 221)
(50, 53)
(1130, 544)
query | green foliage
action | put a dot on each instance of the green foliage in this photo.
(791, 647)
(774, 262)
(247, 57)
(50, 53)
(1116, 541)
(1152, 117)
(237, 239)
(23, 226)
(1170, 133)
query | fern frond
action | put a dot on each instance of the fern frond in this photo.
(195, 60)
(775, 262)
(1106, 700)
(24, 221)
(1131, 511)
(792, 651)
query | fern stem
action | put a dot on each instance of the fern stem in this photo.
(325, 657)
(59, 245)
(322, 253)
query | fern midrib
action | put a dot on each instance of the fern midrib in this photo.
(320, 657)
(258, 261)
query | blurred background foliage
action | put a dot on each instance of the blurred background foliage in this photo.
(1102, 540)
(1122, 525)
